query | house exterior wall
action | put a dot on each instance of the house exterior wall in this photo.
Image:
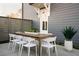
(62, 15)
(30, 13)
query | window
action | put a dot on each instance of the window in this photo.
(44, 25)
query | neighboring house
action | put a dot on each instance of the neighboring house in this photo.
(61, 15)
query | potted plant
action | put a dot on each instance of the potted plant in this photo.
(69, 32)
(32, 29)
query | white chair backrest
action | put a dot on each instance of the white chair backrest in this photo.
(28, 39)
(12, 36)
(18, 37)
(50, 39)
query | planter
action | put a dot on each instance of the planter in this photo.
(68, 45)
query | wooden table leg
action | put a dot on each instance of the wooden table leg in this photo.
(39, 42)
(39, 46)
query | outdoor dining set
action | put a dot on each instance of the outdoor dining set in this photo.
(31, 39)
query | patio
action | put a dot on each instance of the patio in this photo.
(4, 51)
(57, 21)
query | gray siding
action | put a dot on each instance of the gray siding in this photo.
(64, 15)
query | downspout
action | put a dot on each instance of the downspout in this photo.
(22, 17)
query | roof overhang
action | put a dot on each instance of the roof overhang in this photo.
(38, 5)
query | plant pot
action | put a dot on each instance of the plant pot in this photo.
(68, 45)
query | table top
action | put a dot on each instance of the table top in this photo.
(34, 35)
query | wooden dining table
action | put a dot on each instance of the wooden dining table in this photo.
(37, 36)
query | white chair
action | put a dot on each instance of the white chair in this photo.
(49, 43)
(18, 40)
(30, 43)
(11, 39)
(20, 43)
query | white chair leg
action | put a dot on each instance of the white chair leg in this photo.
(28, 51)
(49, 51)
(56, 51)
(9, 45)
(41, 50)
(36, 50)
(20, 50)
(14, 46)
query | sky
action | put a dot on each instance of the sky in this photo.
(7, 8)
